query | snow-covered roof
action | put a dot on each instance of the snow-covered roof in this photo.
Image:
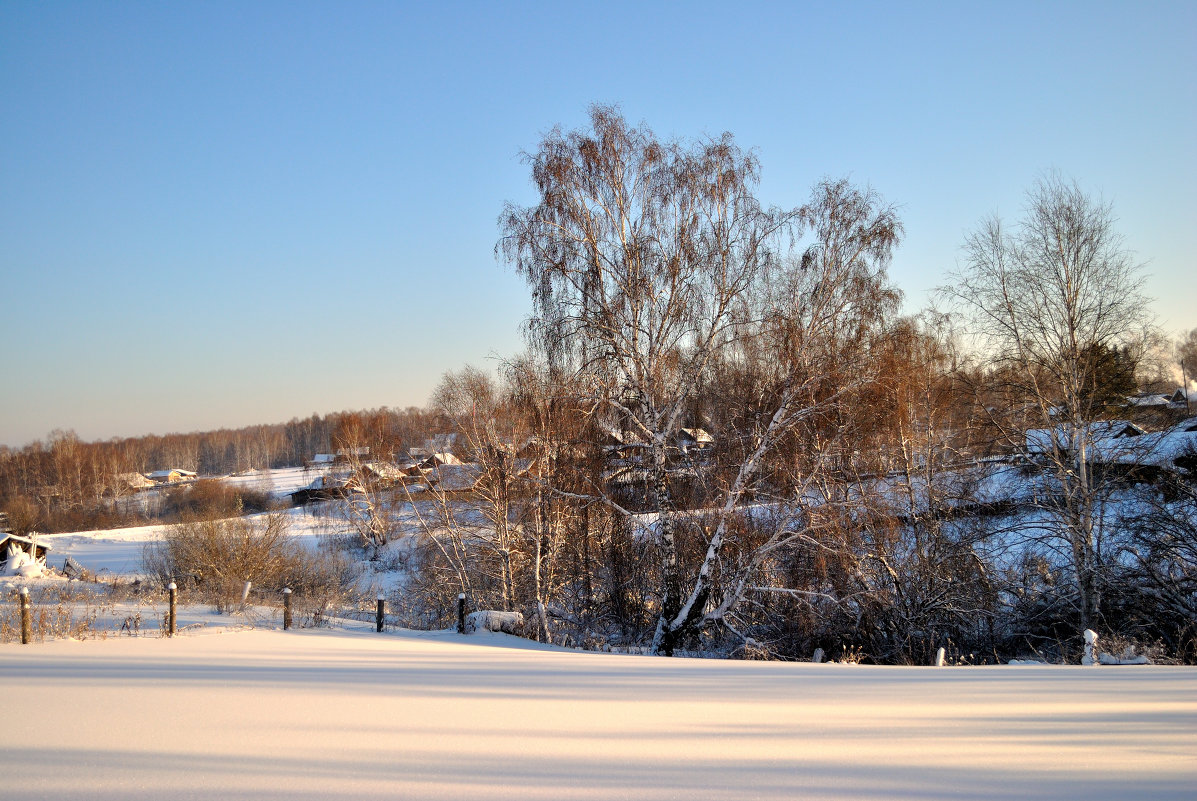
(697, 435)
(1181, 395)
(6, 538)
(1162, 448)
(1148, 401)
(174, 471)
(329, 481)
(384, 470)
(1096, 434)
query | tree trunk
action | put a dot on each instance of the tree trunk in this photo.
(666, 638)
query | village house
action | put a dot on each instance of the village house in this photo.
(380, 474)
(1182, 399)
(174, 475)
(325, 487)
(439, 459)
(693, 440)
(320, 461)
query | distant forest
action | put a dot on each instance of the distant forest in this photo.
(64, 483)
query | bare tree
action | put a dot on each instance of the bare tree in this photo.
(1042, 298)
(654, 267)
(484, 509)
(365, 445)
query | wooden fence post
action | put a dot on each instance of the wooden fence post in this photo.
(171, 615)
(26, 621)
(380, 614)
(286, 608)
(461, 613)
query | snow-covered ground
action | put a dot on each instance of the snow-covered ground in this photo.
(351, 714)
(235, 708)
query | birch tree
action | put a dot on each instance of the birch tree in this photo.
(1041, 298)
(654, 268)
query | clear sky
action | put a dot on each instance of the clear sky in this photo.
(219, 214)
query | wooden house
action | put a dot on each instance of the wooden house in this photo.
(693, 440)
(1182, 398)
(439, 459)
(325, 487)
(380, 474)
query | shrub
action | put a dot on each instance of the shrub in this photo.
(212, 560)
(211, 498)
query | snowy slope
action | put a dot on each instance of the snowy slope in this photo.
(349, 714)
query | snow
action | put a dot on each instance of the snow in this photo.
(235, 708)
(493, 620)
(118, 551)
(113, 551)
(349, 714)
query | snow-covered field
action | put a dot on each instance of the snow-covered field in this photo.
(118, 551)
(349, 713)
(279, 482)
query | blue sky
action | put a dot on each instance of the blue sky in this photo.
(218, 214)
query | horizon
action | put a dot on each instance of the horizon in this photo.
(221, 214)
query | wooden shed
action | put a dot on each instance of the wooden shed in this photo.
(12, 543)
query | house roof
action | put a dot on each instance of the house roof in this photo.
(328, 481)
(1163, 447)
(1160, 448)
(384, 470)
(1150, 400)
(1096, 434)
(7, 537)
(699, 435)
(167, 473)
(441, 458)
(1181, 395)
